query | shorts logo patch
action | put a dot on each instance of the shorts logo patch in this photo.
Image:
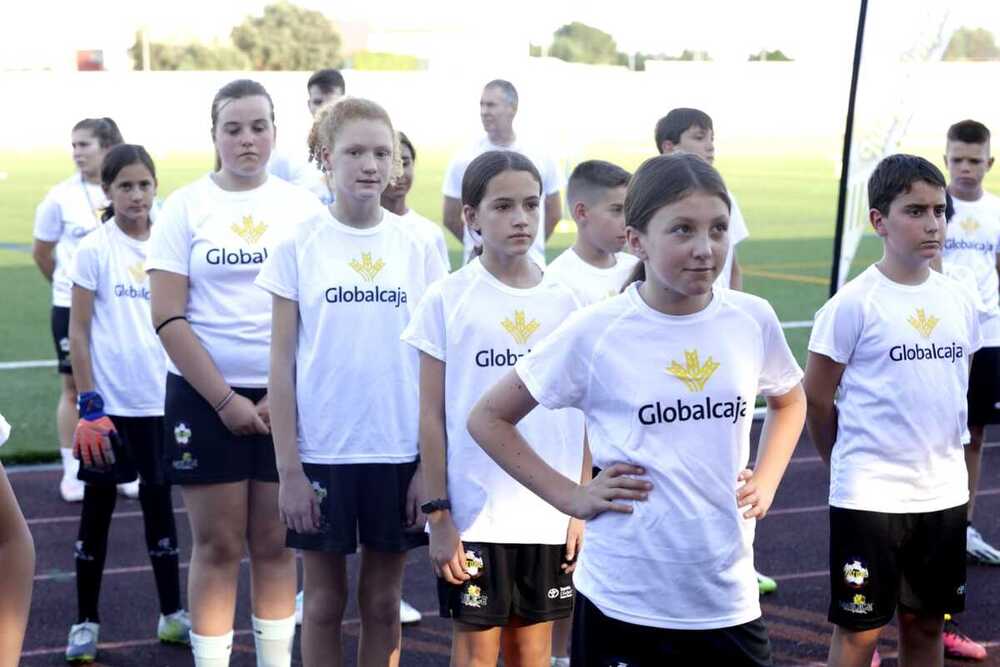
(553, 593)
(182, 434)
(960, 590)
(473, 596)
(320, 492)
(473, 563)
(858, 605)
(64, 345)
(186, 462)
(565, 592)
(855, 573)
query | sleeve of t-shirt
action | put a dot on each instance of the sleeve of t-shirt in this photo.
(779, 372)
(48, 220)
(170, 239)
(551, 179)
(738, 230)
(557, 371)
(280, 273)
(837, 329)
(86, 266)
(452, 186)
(426, 330)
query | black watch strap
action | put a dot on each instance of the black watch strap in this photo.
(435, 505)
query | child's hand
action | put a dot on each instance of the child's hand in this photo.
(754, 494)
(574, 542)
(447, 551)
(596, 496)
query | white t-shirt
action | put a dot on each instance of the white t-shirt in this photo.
(299, 171)
(479, 327)
(219, 240)
(357, 384)
(590, 283)
(433, 232)
(546, 166)
(675, 395)
(128, 362)
(70, 211)
(901, 408)
(974, 240)
(737, 232)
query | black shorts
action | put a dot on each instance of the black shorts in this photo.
(360, 499)
(59, 321)
(199, 449)
(524, 580)
(602, 641)
(138, 448)
(984, 387)
(879, 561)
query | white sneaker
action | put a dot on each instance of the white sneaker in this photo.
(82, 643)
(175, 628)
(979, 550)
(70, 488)
(559, 662)
(408, 613)
(298, 608)
(129, 489)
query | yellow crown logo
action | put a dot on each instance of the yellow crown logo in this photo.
(138, 272)
(520, 329)
(693, 374)
(970, 225)
(366, 267)
(922, 323)
(248, 230)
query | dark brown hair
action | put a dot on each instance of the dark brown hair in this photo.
(481, 171)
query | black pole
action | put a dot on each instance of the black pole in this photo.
(846, 159)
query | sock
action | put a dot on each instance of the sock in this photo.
(70, 464)
(273, 640)
(92, 547)
(211, 651)
(161, 543)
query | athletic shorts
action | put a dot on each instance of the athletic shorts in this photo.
(59, 322)
(879, 561)
(138, 449)
(524, 580)
(363, 502)
(984, 387)
(602, 641)
(199, 449)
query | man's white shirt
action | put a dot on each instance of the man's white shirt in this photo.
(973, 240)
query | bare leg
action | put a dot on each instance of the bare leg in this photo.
(850, 648)
(325, 588)
(526, 644)
(17, 562)
(974, 461)
(472, 646)
(920, 642)
(273, 577)
(379, 588)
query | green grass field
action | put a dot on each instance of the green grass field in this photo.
(789, 203)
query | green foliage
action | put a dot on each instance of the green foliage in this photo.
(769, 56)
(534, 50)
(972, 44)
(287, 37)
(190, 56)
(373, 60)
(580, 43)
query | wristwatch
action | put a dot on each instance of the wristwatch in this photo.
(435, 505)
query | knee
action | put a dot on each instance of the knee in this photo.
(269, 547)
(220, 549)
(920, 627)
(380, 607)
(325, 606)
(857, 639)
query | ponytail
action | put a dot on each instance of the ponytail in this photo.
(638, 274)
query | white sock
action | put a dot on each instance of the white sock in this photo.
(70, 464)
(212, 651)
(273, 640)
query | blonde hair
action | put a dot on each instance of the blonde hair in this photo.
(332, 116)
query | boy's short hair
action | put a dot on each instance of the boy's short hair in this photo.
(895, 175)
(969, 132)
(327, 80)
(593, 175)
(676, 122)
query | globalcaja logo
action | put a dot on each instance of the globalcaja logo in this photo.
(693, 374)
(520, 328)
(923, 323)
(248, 230)
(858, 605)
(969, 225)
(367, 268)
(138, 272)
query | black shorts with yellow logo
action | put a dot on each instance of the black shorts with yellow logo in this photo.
(198, 447)
(523, 580)
(59, 322)
(879, 561)
(138, 449)
(984, 387)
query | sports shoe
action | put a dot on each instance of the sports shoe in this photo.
(298, 608)
(175, 628)
(70, 488)
(957, 645)
(407, 613)
(82, 643)
(129, 489)
(876, 659)
(766, 584)
(559, 662)
(979, 550)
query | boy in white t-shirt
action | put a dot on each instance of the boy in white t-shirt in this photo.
(886, 380)
(595, 267)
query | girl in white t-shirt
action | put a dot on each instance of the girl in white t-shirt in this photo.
(119, 369)
(503, 556)
(207, 247)
(344, 388)
(70, 211)
(666, 373)
(17, 562)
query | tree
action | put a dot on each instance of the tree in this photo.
(972, 44)
(190, 56)
(770, 56)
(580, 43)
(287, 37)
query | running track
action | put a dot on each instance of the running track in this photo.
(791, 545)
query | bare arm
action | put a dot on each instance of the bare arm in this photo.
(43, 252)
(736, 277)
(492, 424)
(822, 378)
(452, 217)
(553, 213)
(80, 316)
(17, 562)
